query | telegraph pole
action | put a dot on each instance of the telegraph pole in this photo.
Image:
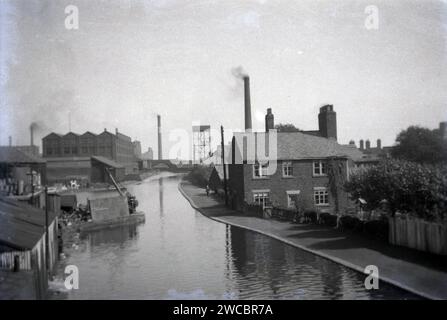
(223, 164)
(47, 236)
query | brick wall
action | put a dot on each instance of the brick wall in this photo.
(302, 180)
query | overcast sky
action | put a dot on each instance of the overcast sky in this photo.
(130, 60)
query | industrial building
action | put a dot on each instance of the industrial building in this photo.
(21, 175)
(66, 150)
(84, 170)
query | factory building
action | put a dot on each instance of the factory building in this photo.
(73, 148)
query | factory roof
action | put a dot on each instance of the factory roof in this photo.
(107, 162)
(14, 155)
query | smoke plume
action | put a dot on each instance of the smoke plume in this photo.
(239, 72)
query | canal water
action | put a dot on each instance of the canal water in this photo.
(180, 254)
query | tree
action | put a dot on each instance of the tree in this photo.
(408, 187)
(286, 127)
(420, 145)
(336, 176)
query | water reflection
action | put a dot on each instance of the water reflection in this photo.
(267, 268)
(116, 235)
(160, 195)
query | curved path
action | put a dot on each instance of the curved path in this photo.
(414, 271)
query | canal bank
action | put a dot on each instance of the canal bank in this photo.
(413, 271)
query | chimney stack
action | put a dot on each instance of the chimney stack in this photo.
(247, 103)
(327, 122)
(362, 146)
(160, 151)
(368, 144)
(379, 144)
(31, 129)
(352, 143)
(269, 120)
(116, 131)
(10, 141)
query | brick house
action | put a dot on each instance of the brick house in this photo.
(300, 167)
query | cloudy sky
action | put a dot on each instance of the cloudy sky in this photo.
(130, 60)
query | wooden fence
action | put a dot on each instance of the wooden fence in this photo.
(418, 234)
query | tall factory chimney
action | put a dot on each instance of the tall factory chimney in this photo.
(31, 129)
(247, 103)
(269, 120)
(160, 151)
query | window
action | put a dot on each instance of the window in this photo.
(320, 168)
(287, 169)
(84, 150)
(291, 195)
(49, 151)
(321, 196)
(66, 150)
(259, 170)
(261, 198)
(74, 150)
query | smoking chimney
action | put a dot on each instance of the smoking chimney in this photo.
(31, 129)
(362, 146)
(269, 120)
(247, 103)
(160, 151)
(10, 141)
(379, 144)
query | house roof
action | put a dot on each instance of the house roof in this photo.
(107, 162)
(353, 153)
(298, 145)
(14, 155)
(21, 225)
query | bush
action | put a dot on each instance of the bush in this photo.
(199, 176)
(310, 216)
(350, 223)
(253, 210)
(283, 214)
(406, 186)
(327, 219)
